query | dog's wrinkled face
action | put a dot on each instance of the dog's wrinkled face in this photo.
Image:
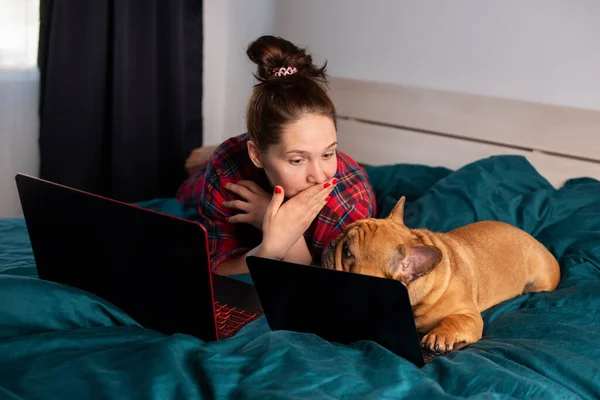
(382, 247)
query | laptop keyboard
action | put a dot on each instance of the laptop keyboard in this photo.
(231, 319)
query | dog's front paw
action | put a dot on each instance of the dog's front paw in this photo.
(442, 341)
(454, 332)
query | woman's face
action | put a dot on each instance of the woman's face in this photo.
(305, 156)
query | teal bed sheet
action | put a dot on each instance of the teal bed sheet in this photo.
(57, 342)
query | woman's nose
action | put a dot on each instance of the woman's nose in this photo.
(317, 174)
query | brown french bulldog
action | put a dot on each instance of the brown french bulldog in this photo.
(451, 277)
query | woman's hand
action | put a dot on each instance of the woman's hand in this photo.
(285, 223)
(254, 202)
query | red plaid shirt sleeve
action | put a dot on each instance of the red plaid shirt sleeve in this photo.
(225, 240)
(205, 190)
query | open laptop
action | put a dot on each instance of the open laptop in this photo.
(153, 266)
(338, 306)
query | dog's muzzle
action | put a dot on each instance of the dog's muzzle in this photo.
(328, 257)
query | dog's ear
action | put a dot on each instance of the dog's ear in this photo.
(413, 262)
(398, 211)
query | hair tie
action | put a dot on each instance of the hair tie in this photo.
(285, 71)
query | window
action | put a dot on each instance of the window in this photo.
(19, 31)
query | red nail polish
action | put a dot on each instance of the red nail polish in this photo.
(326, 185)
(334, 181)
(277, 189)
(327, 198)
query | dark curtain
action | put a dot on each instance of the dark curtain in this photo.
(121, 94)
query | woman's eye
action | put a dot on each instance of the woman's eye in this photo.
(328, 155)
(346, 251)
(296, 161)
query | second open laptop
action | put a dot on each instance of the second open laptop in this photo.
(338, 306)
(153, 266)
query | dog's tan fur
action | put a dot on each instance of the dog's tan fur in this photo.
(451, 277)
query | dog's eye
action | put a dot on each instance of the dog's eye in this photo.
(346, 251)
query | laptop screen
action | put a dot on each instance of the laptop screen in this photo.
(151, 265)
(340, 307)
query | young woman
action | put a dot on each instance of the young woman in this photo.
(282, 190)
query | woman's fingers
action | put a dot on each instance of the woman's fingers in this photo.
(251, 185)
(240, 219)
(326, 192)
(306, 205)
(276, 201)
(318, 193)
(317, 207)
(240, 190)
(237, 204)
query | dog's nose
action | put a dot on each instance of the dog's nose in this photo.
(333, 243)
(328, 256)
(325, 262)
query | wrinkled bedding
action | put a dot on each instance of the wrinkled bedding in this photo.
(59, 342)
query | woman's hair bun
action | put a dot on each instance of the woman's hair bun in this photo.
(271, 53)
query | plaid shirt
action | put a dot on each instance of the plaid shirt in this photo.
(351, 200)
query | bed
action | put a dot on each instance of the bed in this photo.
(58, 342)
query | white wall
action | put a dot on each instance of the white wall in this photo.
(19, 127)
(544, 51)
(229, 26)
(19, 92)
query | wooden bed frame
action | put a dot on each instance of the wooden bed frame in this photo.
(381, 124)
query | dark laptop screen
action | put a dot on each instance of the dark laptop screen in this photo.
(338, 306)
(151, 265)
